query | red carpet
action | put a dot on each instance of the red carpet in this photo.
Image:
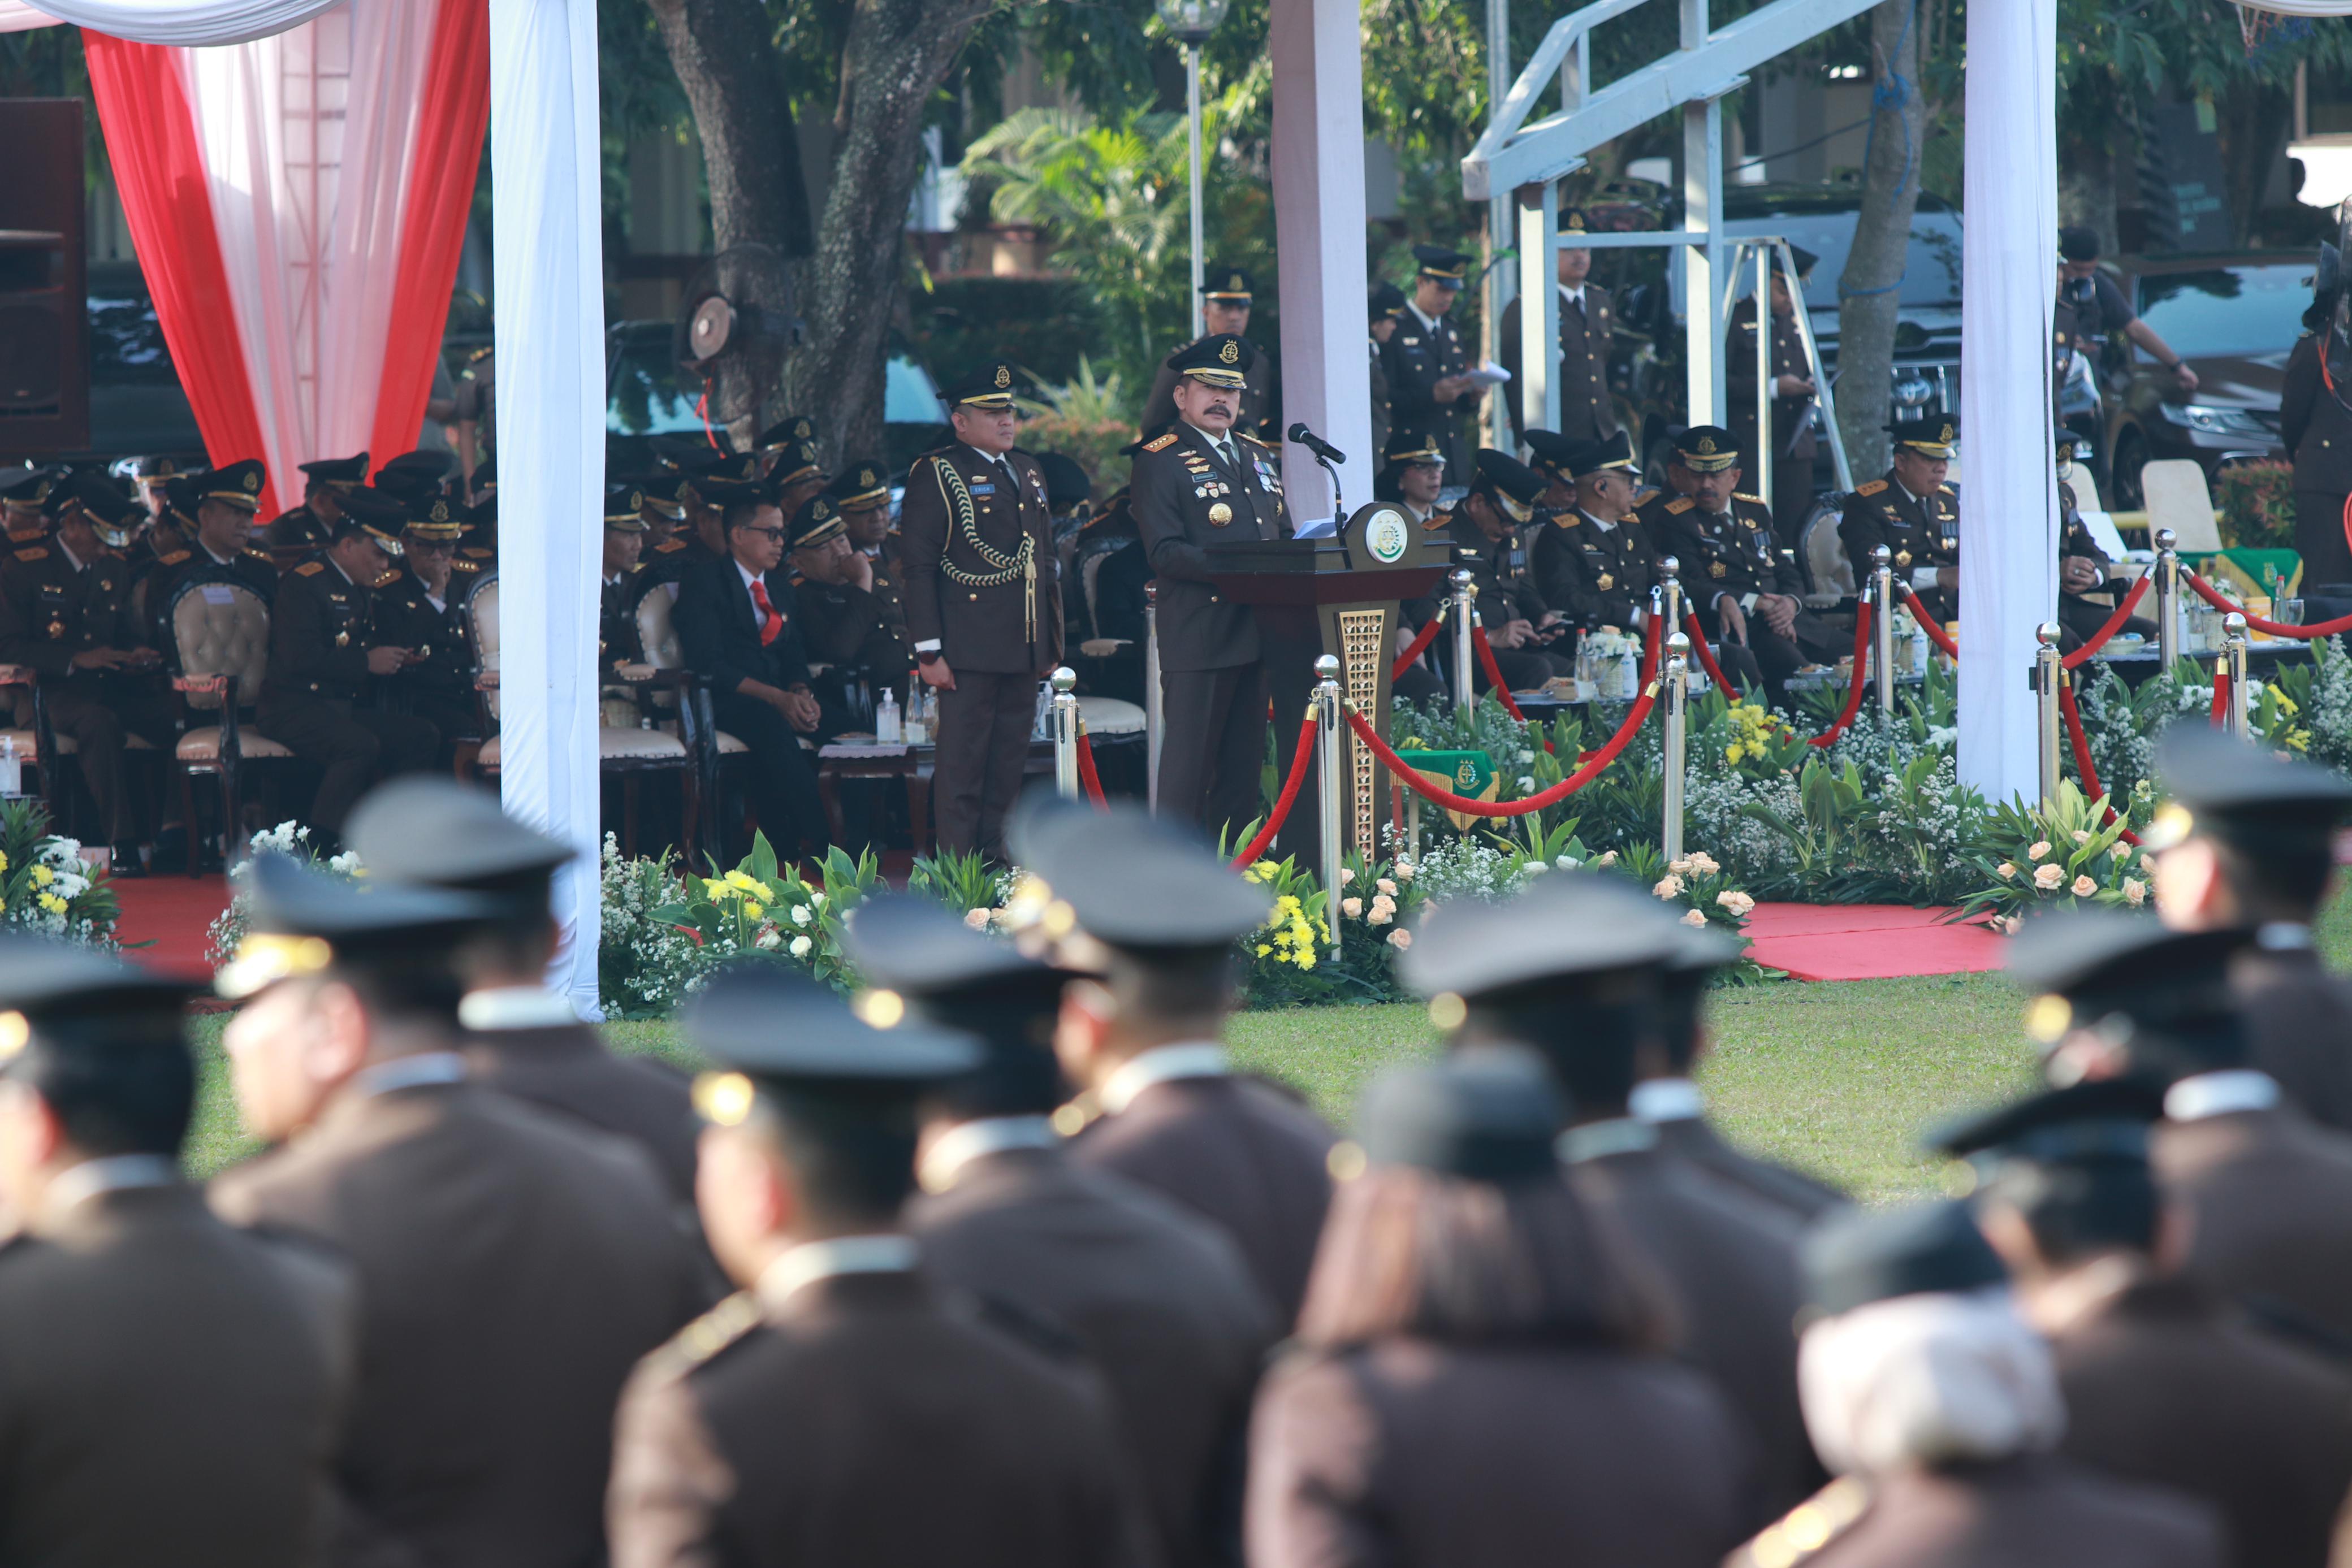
(173, 912)
(1867, 942)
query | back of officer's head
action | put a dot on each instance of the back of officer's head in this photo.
(438, 832)
(124, 1085)
(2248, 836)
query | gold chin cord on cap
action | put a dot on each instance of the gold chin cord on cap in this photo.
(263, 959)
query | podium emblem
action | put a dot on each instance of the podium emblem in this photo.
(1387, 537)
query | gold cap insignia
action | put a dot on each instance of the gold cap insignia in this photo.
(264, 958)
(1231, 353)
(1235, 283)
(439, 513)
(1576, 222)
(879, 1008)
(1003, 377)
(252, 483)
(1948, 434)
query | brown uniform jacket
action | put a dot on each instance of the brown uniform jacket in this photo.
(566, 1068)
(1409, 1454)
(2269, 1197)
(1925, 532)
(978, 552)
(2299, 1029)
(1186, 499)
(1731, 1266)
(1594, 576)
(2022, 1513)
(862, 1424)
(512, 1272)
(2160, 1388)
(169, 1390)
(1161, 1302)
(1586, 336)
(1794, 438)
(1695, 1140)
(1238, 1151)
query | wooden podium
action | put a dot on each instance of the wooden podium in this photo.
(1336, 596)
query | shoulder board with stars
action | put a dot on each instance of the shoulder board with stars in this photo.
(26, 535)
(1254, 441)
(1744, 496)
(39, 552)
(1646, 495)
(1871, 488)
(391, 576)
(461, 564)
(1161, 443)
(173, 558)
(1807, 1528)
(1680, 505)
(309, 568)
(666, 546)
(1569, 519)
(259, 554)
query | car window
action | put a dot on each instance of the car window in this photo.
(1931, 273)
(126, 342)
(642, 397)
(908, 396)
(2228, 309)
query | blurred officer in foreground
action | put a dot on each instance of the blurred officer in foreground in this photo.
(2248, 841)
(1669, 1100)
(2267, 1195)
(1154, 913)
(174, 1386)
(512, 1267)
(2157, 1385)
(1157, 1297)
(519, 1036)
(1937, 1405)
(1592, 559)
(1227, 294)
(1570, 968)
(837, 1411)
(309, 526)
(1580, 369)
(1913, 514)
(1475, 1379)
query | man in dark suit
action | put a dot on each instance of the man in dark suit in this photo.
(2161, 1385)
(178, 1387)
(512, 1267)
(738, 629)
(1157, 913)
(1196, 484)
(976, 537)
(1226, 296)
(2315, 424)
(841, 1410)
(521, 1038)
(1160, 1299)
(1587, 332)
(2248, 841)
(1570, 969)
(1795, 400)
(1913, 514)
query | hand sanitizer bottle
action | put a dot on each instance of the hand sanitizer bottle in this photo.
(887, 723)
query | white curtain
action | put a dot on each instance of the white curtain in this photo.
(549, 281)
(188, 23)
(2299, 7)
(2009, 502)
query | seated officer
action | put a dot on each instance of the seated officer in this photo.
(65, 611)
(794, 477)
(1594, 559)
(1412, 471)
(1750, 600)
(1913, 514)
(844, 621)
(618, 642)
(2083, 566)
(777, 441)
(421, 605)
(307, 526)
(1521, 627)
(23, 493)
(327, 649)
(862, 494)
(217, 548)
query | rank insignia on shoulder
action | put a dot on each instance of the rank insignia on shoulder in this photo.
(713, 1331)
(1871, 488)
(1680, 505)
(1947, 490)
(1744, 496)
(1807, 1528)
(37, 552)
(1646, 495)
(258, 554)
(23, 536)
(1568, 520)
(1160, 444)
(309, 568)
(461, 564)
(173, 558)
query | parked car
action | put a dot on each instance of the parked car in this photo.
(137, 407)
(2233, 318)
(643, 400)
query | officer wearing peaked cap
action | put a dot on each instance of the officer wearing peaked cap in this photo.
(514, 1264)
(1587, 332)
(1913, 514)
(217, 511)
(780, 438)
(984, 603)
(1570, 969)
(1795, 399)
(1474, 1378)
(850, 616)
(306, 528)
(788, 1424)
(1384, 308)
(23, 494)
(423, 605)
(793, 475)
(1489, 527)
(1159, 1297)
(862, 491)
(2248, 840)
(2159, 1384)
(618, 641)
(1226, 295)
(184, 1400)
(1143, 1041)
(1413, 475)
(2266, 1193)
(1427, 358)
(1590, 559)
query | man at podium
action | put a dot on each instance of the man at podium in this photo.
(1201, 482)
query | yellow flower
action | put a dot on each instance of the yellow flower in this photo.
(753, 911)
(1263, 949)
(43, 875)
(1307, 958)
(3, 862)
(713, 890)
(1735, 754)
(53, 903)
(738, 879)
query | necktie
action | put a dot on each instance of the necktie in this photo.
(770, 623)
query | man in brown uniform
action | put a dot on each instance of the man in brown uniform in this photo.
(838, 1410)
(512, 1268)
(173, 1387)
(983, 604)
(1586, 335)
(1570, 969)
(1155, 914)
(1226, 296)
(1795, 405)
(2160, 1387)
(1159, 1299)
(1913, 514)
(521, 1038)
(2248, 841)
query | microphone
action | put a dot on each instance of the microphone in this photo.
(1317, 444)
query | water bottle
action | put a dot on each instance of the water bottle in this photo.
(888, 729)
(12, 768)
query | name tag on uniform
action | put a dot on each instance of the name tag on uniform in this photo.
(219, 594)
(983, 489)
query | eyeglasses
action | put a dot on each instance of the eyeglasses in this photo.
(765, 533)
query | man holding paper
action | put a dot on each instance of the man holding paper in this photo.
(1432, 387)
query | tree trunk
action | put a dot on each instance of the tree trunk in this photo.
(1870, 294)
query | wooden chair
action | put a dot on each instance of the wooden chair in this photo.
(2179, 499)
(221, 631)
(680, 705)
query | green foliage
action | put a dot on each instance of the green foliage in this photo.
(765, 910)
(1085, 419)
(961, 880)
(2035, 859)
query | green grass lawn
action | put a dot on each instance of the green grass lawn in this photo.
(1839, 1079)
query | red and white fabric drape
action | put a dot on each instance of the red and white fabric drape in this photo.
(310, 188)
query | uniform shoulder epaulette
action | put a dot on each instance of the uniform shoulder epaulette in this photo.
(1646, 494)
(37, 552)
(635, 566)
(1946, 490)
(310, 568)
(1744, 496)
(1258, 440)
(478, 552)
(261, 555)
(479, 355)
(1806, 1528)
(391, 575)
(1160, 444)
(711, 1333)
(1567, 517)
(27, 535)
(666, 546)
(462, 564)
(172, 557)
(1680, 505)
(1871, 488)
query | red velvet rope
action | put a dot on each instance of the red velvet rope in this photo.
(1634, 718)
(1418, 646)
(1289, 796)
(1087, 776)
(2083, 766)
(1493, 671)
(1707, 655)
(2115, 624)
(2324, 629)
(1933, 627)
(2221, 696)
(1854, 696)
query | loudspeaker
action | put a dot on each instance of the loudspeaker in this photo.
(44, 316)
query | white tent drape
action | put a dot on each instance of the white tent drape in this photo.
(185, 24)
